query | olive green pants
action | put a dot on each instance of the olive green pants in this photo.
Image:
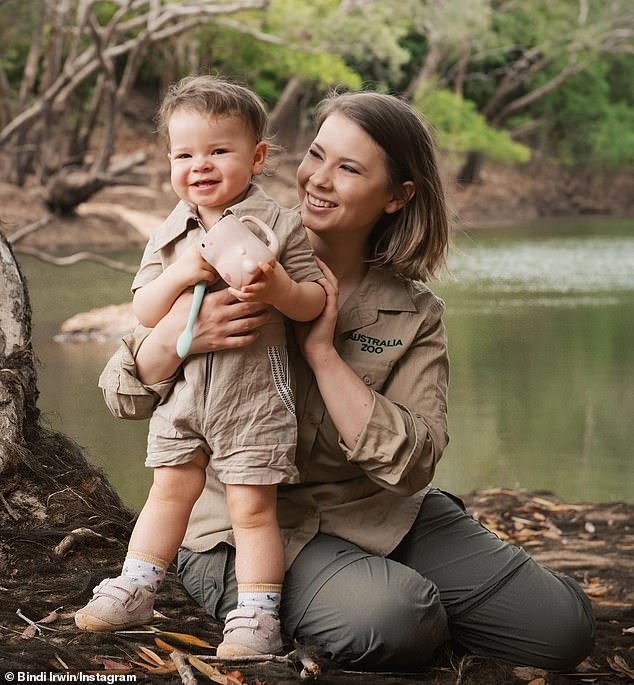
(450, 578)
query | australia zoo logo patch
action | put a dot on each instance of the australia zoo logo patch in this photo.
(374, 345)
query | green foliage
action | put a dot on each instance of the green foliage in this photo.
(17, 19)
(458, 127)
(266, 67)
(590, 118)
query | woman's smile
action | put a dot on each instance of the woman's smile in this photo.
(317, 202)
(342, 181)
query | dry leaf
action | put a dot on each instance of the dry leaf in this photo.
(181, 637)
(163, 645)
(51, 618)
(111, 665)
(617, 663)
(29, 632)
(168, 668)
(237, 675)
(150, 656)
(530, 673)
(628, 631)
(206, 669)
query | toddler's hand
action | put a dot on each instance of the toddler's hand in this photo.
(271, 286)
(191, 268)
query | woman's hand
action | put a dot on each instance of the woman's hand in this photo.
(222, 324)
(316, 337)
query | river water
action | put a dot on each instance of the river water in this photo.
(541, 330)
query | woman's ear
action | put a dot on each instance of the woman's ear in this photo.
(396, 203)
(259, 157)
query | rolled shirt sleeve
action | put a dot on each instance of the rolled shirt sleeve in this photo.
(406, 432)
(125, 395)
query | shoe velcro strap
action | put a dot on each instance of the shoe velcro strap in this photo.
(115, 590)
(236, 623)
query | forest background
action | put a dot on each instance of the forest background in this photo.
(545, 84)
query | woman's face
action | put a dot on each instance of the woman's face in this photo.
(342, 181)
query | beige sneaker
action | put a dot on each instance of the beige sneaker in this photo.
(250, 631)
(116, 604)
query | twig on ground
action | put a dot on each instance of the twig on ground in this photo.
(463, 666)
(183, 668)
(75, 537)
(38, 628)
(8, 507)
(62, 662)
(310, 670)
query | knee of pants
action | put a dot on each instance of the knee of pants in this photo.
(375, 614)
(538, 618)
(573, 630)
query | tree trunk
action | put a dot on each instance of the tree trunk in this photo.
(284, 121)
(41, 471)
(18, 387)
(470, 171)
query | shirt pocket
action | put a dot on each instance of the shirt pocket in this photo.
(373, 372)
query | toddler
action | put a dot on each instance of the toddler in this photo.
(233, 410)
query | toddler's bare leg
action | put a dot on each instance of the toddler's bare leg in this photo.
(254, 627)
(128, 600)
(161, 525)
(259, 550)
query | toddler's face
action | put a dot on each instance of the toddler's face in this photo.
(212, 160)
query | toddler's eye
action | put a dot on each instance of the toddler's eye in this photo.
(219, 151)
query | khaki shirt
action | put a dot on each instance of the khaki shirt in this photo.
(391, 333)
(183, 228)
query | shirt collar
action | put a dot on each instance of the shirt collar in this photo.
(184, 216)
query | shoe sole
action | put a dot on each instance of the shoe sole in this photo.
(231, 650)
(97, 625)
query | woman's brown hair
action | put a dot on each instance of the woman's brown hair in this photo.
(413, 241)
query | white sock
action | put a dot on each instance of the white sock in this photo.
(264, 596)
(145, 570)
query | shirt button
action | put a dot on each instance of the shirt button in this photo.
(367, 380)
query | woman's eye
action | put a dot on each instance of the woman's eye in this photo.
(314, 153)
(349, 168)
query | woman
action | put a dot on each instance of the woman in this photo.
(381, 568)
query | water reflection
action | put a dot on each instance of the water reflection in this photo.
(541, 328)
(557, 265)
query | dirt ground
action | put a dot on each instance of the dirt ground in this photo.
(49, 564)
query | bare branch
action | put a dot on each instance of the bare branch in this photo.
(76, 70)
(74, 258)
(29, 76)
(34, 226)
(127, 163)
(538, 93)
(510, 81)
(243, 28)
